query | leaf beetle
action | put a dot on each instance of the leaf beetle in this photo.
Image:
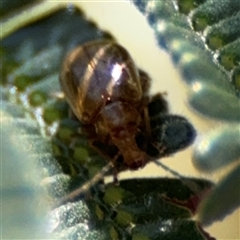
(110, 97)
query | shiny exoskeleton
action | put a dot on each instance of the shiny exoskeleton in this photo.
(109, 95)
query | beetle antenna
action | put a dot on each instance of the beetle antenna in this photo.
(192, 185)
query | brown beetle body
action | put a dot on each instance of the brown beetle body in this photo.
(104, 89)
(109, 95)
(97, 73)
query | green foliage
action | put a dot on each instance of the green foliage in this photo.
(212, 76)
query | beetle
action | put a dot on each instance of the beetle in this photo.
(110, 97)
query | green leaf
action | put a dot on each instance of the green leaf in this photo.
(213, 209)
(23, 201)
(202, 36)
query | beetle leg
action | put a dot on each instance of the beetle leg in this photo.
(86, 186)
(147, 121)
(145, 82)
